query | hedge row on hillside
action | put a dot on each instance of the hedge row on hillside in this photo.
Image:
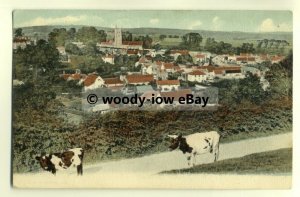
(123, 134)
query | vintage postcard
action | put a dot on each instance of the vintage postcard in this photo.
(171, 99)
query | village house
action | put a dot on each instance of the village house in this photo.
(92, 82)
(63, 56)
(176, 53)
(21, 42)
(17, 82)
(113, 82)
(147, 68)
(138, 79)
(131, 52)
(199, 58)
(245, 60)
(167, 85)
(159, 71)
(218, 73)
(169, 67)
(108, 58)
(276, 59)
(80, 45)
(196, 76)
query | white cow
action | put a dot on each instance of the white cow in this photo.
(196, 144)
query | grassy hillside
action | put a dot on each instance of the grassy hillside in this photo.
(278, 161)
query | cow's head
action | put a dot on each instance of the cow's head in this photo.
(179, 141)
(45, 161)
(175, 141)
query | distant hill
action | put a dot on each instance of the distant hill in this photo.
(42, 32)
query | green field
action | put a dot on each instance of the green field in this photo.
(273, 162)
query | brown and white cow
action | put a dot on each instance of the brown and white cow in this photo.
(61, 161)
(196, 144)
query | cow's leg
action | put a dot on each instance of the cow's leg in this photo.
(79, 169)
(194, 158)
(216, 152)
(189, 159)
(53, 171)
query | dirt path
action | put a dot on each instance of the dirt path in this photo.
(153, 164)
(176, 160)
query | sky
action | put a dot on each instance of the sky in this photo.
(245, 21)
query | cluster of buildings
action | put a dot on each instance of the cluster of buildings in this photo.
(160, 78)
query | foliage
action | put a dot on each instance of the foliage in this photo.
(58, 37)
(36, 62)
(234, 92)
(147, 41)
(250, 89)
(280, 80)
(126, 36)
(18, 32)
(184, 59)
(162, 37)
(72, 49)
(245, 48)
(225, 48)
(127, 61)
(90, 34)
(192, 40)
(218, 47)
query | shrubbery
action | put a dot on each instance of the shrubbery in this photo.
(123, 134)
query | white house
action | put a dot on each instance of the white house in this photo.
(93, 81)
(199, 58)
(147, 68)
(108, 59)
(159, 71)
(196, 76)
(168, 85)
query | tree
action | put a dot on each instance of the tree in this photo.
(250, 89)
(71, 34)
(192, 40)
(90, 49)
(72, 49)
(260, 42)
(183, 59)
(245, 48)
(218, 47)
(157, 47)
(90, 34)
(19, 32)
(147, 41)
(38, 61)
(58, 37)
(280, 78)
(162, 37)
(126, 36)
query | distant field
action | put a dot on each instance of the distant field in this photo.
(235, 38)
(278, 161)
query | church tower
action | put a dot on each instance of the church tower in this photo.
(118, 37)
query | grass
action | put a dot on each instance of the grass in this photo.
(254, 134)
(163, 147)
(273, 162)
